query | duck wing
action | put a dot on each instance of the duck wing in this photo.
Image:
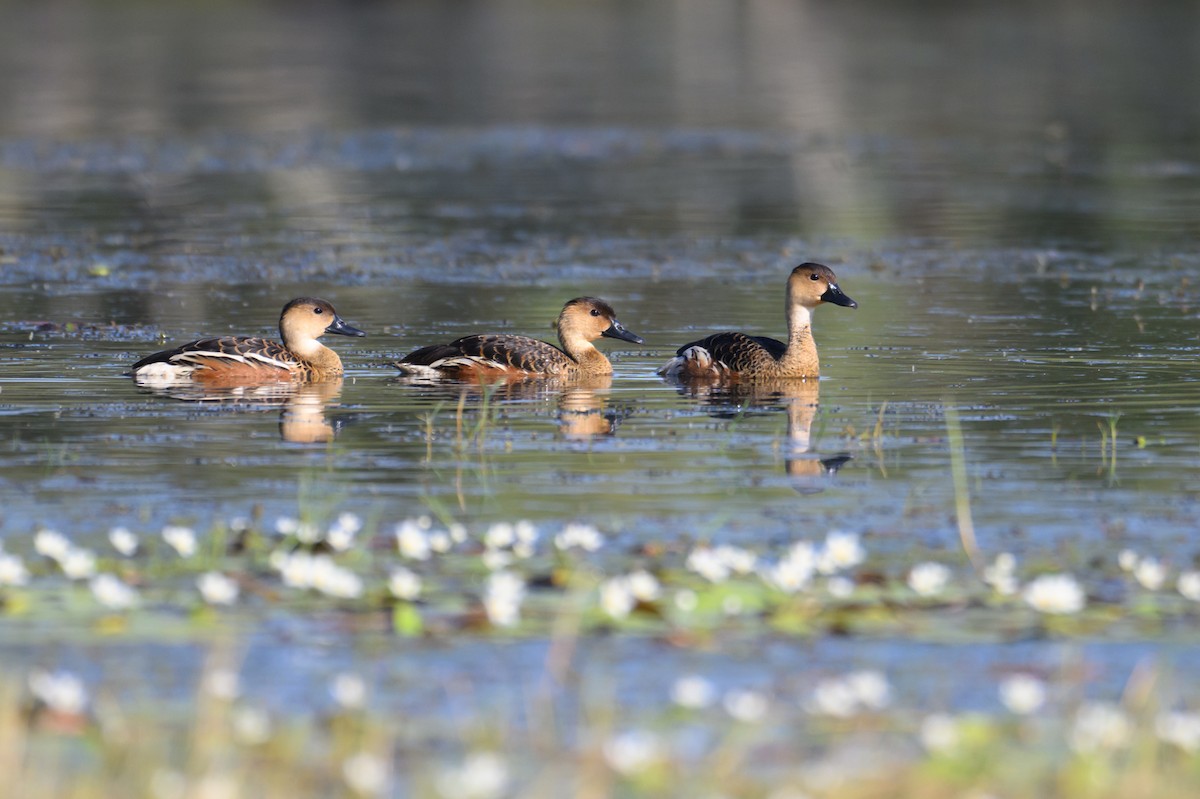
(737, 351)
(492, 352)
(255, 352)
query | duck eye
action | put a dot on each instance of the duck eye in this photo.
(814, 276)
(318, 310)
(595, 312)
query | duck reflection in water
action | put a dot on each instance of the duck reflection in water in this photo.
(303, 407)
(581, 402)
(727, 399)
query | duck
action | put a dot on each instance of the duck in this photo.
(582, 321)
(237, 360)
(738, 356)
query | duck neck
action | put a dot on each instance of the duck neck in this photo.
(800, 357)
(319, 358)
(590, 360)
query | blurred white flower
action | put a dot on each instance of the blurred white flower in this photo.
(307, 533)
(526, 533)
(1001, 574)
(502, 598)
(633, 751)
(286, 525)
(366, 774)
(841, 551)
(928, 579)
(457, 532)
(1179, 729)
(871, 688)
(1023, 694)
(123, 540)
(440, 542)
(217, 589)
(12, 570)
(1055, 593)
(579, 536)
(693, 691)
(341, 533)
(496, 559)
(404, 584)
(644, 586)
(1127, 559)
(939, 733)
(221, 683)
(51, 544)
(500, 535)
(686, 600)
(412, 540)
(112, 593)
(839, 587)
(78, 564)
(745, 705)
(615, 597)
(1150, 573)
(334, 580)
(348, 690)
(295, 568)
(1189, 585)
(251, 726)
(1099, 726)
(705, 562)
(182, 539)
(795, 570)
(833, 697)
(482, 775)
(61, 691)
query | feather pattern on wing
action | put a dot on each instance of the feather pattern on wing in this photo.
(488, 352)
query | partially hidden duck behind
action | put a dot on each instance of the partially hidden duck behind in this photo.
(737, 356)
(237, 360)
(582, 321)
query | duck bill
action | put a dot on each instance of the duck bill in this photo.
(617, 330)
(834, 294)
(339, 326)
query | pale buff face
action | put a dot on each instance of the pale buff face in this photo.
(811, 284)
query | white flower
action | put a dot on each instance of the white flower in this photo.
(251, 726)
(366, 774)
(295, 568)
(839, 587)
(12, 570)
(1127, 559)
(841, 551)
(286, 525)
(483, 775)
(110, 591)
(1023, 694)
(348, 690)
(412, 541)
(223, 684)
(333, 580)
(745, 705)
(1001, 574)
(60, 691)
(795, 570)
(502, 599)
(51, 544)
(1099, 725)
(1189, 585)
(633, 751)
(457, 532)
(939, 733)
(404, 584)
(834, 697)
(500, 535)
(707, 564)
(181, 539)
(496, 559)
(870, 688)
(1055, 593)
(686, 600)
(440, 542)
(644, 586)
(342, 532)
(1180, 729)
(307, 533)
(123, 540)
(693, 691)
(217, 589)
(615, 597)
(1150, 573)
(580, 536)
(526, 533)
(78, 564)
(928, 579)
